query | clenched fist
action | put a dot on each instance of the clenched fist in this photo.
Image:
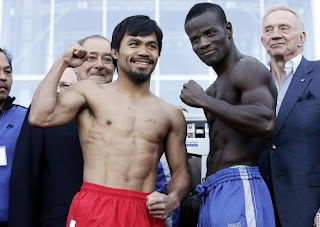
(74, 55)
(192, 93)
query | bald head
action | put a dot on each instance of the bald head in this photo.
(100, 65)
(67, 79)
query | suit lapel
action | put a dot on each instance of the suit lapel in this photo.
(299, 83)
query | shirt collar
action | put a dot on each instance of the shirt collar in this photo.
(8, 103)
(294, 63)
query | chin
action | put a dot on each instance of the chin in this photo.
(99, 79)
(139, 77)
(208, 62)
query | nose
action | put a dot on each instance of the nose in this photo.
(143, 51)
(3, 76)
(99, 65)
(276, 34)
(203, 43)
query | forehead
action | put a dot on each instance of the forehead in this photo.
(97, 45)
(280, 17)
(3, 60)
(149, 38)
(203, 22)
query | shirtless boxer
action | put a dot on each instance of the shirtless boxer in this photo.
(240, 110)
(125, 135)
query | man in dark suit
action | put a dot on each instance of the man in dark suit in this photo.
(291, 162)
(47, 169)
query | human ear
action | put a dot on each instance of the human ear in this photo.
(229, 29)
(114, 53)
(302, 38)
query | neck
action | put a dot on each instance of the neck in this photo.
(277, 64)
(228, 61)
(125, 85)
(2, 102)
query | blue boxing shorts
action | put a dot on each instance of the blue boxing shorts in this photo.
(235, 197)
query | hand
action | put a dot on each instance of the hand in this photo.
(160, 205)
(192, 93)
(74, 55)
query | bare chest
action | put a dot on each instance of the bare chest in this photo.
(136, 122)
(223, 89)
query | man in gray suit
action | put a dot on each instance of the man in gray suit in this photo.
(291, 162)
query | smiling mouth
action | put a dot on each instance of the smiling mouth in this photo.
(4, 86)
(97, 74)
(207, 53)
(276, 44)
(142, 61)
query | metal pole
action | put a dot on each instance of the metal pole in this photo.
(1, 10)
(316, 23)
(263, 52)
(104, 18)
(157, 70)
(51, 36)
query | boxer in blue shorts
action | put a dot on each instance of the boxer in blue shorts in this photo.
(240, 110)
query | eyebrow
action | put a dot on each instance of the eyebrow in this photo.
(138, 40)
(276, 25)
(103, 53)
(134, 39)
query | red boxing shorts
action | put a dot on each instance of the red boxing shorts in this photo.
(96, 205)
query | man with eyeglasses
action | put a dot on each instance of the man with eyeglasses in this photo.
(67, 79)
(48, 166)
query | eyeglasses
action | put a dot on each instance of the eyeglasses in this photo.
(64, 86)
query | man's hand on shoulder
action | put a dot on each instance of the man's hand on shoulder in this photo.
(74, 55)
(161, 205)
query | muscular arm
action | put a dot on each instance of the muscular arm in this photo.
(49, 109)
(179, 185)
(254, 113)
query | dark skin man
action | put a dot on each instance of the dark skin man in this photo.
(239, 105)
(240, 110)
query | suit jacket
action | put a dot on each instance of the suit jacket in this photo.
(291, 163)
(47, 172)
(190, 207)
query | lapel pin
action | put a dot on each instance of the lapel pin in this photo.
(303, 80)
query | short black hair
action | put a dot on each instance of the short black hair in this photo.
(82, 41)
(201, 8)
(138, 25)
(8, 56)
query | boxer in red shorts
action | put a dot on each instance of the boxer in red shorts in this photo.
(123, 133)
